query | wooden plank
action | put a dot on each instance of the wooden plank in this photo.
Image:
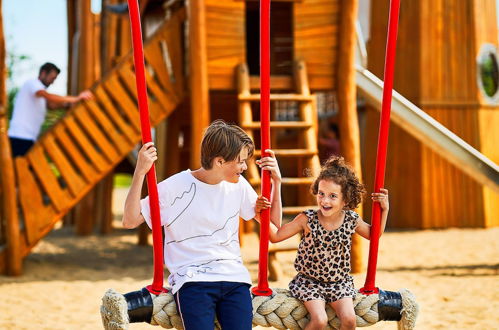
(119, 140)
(131, 130)
(156, 109)
(88, 147)
(290, 152)
(167, 100)
(84, 167)
(177, 57)
(74, 181)
(36, 214)
(154, 57)
(118, 93)
(128, 77)
(45, 175)
(279, 97)
(287, 181)
(325, 31)
(278, 124)
(94, 132)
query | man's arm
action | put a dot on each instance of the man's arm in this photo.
(55, 101)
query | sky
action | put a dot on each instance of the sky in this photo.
(38, 29)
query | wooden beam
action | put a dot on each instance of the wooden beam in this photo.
(347, 102)
(9, 201)
(86, 58)
(200, 101)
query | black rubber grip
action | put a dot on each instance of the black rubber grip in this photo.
(140, 306)
(389, 306)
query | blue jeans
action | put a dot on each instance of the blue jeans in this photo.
(199, 302)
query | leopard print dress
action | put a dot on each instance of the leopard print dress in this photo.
(323, 261)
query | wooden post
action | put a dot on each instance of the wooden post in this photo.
(200, 99)
(9, 200)
(85, 212)
(109, 37)
(86, 61)
(71, 33)
(347, 102)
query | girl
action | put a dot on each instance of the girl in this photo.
(323, 257)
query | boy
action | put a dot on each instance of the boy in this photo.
(200, 213)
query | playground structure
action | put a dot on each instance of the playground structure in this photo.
(208, 71)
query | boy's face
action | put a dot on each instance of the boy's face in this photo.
(233, 169)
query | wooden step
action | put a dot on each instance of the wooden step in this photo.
(277, 97)
(287, 181)
(295, 210)
(278, 124)
(290, 152)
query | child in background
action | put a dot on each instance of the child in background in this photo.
(323, 257)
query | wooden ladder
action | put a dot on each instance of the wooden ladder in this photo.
(84, 146)
(305, 153)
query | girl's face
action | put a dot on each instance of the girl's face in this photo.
(330, 198)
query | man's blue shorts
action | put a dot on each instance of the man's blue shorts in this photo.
(199, 302)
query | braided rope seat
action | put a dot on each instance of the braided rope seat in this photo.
(280, 311)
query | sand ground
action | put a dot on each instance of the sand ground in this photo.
(453, 273)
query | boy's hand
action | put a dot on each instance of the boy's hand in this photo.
(262, 203)
(270, 164)
(147, 156)
(382, 199)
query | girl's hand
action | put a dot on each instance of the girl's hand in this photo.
(270, 164)
(262, 203)
(147, 156)
(382, 199)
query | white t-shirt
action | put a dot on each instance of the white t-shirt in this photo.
(29, 111)
(201, 224)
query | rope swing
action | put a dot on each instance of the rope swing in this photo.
(271, 307)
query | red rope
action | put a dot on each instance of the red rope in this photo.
(379, 179)
(138, 56)
(263, 285)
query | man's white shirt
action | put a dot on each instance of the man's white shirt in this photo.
(29, 111)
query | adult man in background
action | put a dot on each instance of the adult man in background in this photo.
(30, 108)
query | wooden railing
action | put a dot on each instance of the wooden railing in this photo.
(84, 146)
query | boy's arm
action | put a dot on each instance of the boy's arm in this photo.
(131, 214)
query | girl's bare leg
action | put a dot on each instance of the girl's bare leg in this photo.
(345, 312)
(318, 316)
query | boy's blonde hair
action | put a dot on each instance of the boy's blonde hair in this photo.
(223, 140)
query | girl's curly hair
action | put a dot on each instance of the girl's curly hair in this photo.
(336, 170)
